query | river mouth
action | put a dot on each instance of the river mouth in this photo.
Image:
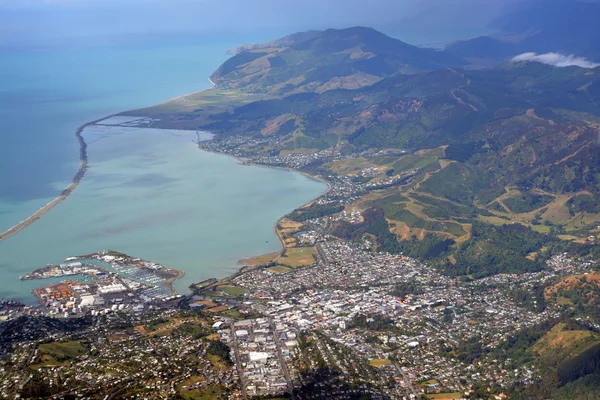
(153, 193)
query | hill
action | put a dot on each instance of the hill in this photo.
(321, 61)
(518, 143)
(578, 294)
(567, 356)
(487, 167)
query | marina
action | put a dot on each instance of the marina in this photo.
(111, 281)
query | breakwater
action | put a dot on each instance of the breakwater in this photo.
(83, 165)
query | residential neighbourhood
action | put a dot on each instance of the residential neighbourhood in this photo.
(365, 323)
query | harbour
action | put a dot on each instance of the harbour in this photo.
(116, 281)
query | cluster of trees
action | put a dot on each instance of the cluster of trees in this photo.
(315, 211)
(36, 387)
(530, 298)
(527, 202)
(195, 331)
(374, 322)
(403, 289)
(573, 249)
(498, 249)
(585, 388)
(584, 298)
(586, 363)
(374, 223)
(463, 151)
(584, 203)
(510, 248)
(517, 347)
(219, 349)
(431, 247)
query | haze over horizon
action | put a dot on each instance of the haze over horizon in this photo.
(49, 21)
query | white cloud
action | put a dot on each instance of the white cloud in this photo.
(557, 60)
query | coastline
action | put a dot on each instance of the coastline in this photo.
(244, 268)
(314, 178)
(169, 282)
(329, 188)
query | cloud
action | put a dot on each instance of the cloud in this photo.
(557, 60)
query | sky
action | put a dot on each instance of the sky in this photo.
(27, 21)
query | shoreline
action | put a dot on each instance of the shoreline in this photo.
(312, 177)
(169, 282)
(245, 268)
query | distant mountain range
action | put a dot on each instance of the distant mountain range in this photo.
(542, 26)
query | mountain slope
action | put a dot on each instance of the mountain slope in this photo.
(518, 143)
(317, 62)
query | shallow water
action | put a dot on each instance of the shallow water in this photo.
(153, 194)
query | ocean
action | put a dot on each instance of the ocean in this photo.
(152, 194)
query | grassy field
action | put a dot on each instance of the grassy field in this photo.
(279, 269)
(59, 353)
(352, 165)
(560, 343)
(379, 362)
(541, 228)
(286, 228)
(455, 395)
(166, 328)
(299, 257)
(209, 101)
(260, 260)
(206, 303)
(233, 290)
(63, 349)
(210, 393)
(197, 107)
(289, 224)
(233, 313)
(217, 362)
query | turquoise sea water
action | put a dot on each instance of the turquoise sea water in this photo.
(149, 193)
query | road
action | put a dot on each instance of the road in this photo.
(407, 380)
(282, 360)
(322, 254)
(238, 362)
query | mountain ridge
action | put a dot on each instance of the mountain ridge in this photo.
(319, 61)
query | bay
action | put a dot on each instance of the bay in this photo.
(148, 193)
